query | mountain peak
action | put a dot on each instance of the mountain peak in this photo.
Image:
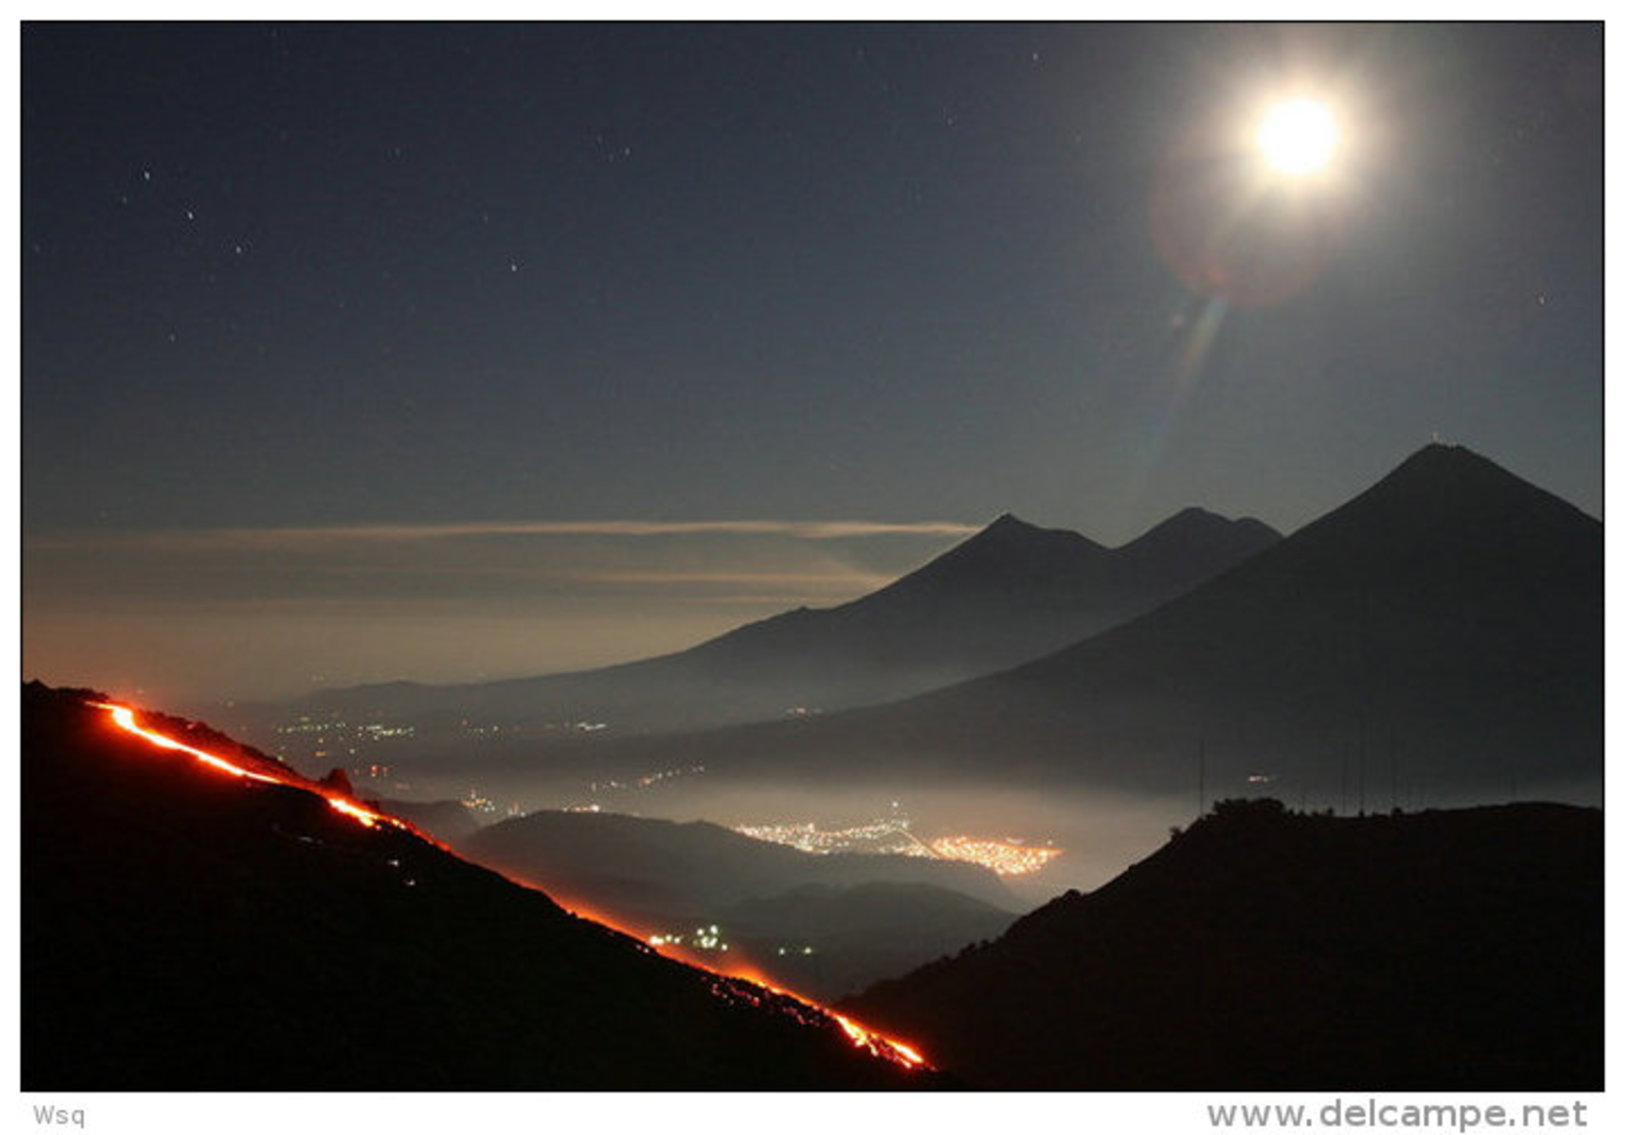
(1008, 524)
(1438, 455)
(1175, 541)
(1197, 519)
(1451, 483)
(1438, 459)
(1009, 535)
(1009, 557)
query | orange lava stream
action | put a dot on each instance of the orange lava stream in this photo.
(889, 1048)
(124, 718)
(875, 1043)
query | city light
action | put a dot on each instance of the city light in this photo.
(1005, 857)
(892, 836)
(882, 837)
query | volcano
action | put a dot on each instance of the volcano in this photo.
(1438, 636)
(187, 927)
(1011, 593)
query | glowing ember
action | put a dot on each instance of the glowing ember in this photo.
(125, 718)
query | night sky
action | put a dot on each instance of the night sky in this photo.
(352, 352)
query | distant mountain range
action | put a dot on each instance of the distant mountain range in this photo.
(1441, 633)
(1262, 950)
(184, 930)
(822, 924)
(1010, 593)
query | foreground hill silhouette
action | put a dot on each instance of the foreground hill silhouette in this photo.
(1267, 950)
(1443, 629)
(184, 929)
(1008, 594)
(864, 917)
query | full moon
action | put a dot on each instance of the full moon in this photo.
(1297, 137)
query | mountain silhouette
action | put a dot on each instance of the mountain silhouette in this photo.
(1440, 633)
(1268, 950)
(865, 916)
(688, 868)
(853, 936)
(188, 930)
(1010, 593)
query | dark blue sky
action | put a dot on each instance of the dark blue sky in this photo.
(330, 276)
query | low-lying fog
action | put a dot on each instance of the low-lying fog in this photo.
(1099, 832)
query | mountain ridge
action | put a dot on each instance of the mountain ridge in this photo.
(1447, 622)
(1010, 592)
(184, 929)
(1263, 949)
(656, 876)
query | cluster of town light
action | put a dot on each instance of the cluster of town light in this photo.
(892, 837)
(703, 938)
(1005, 857)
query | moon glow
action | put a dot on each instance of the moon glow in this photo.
(1298, 137)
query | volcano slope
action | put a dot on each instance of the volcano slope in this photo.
(184, 929)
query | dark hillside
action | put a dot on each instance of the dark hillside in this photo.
(1268, 950)
(186, 930)
(862, 917)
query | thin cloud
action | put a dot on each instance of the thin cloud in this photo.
(287, 537)
(843, 580)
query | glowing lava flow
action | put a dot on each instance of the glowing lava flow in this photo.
(881, 1046)
(885, 1047)
(876, 1044)
(124, 718)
